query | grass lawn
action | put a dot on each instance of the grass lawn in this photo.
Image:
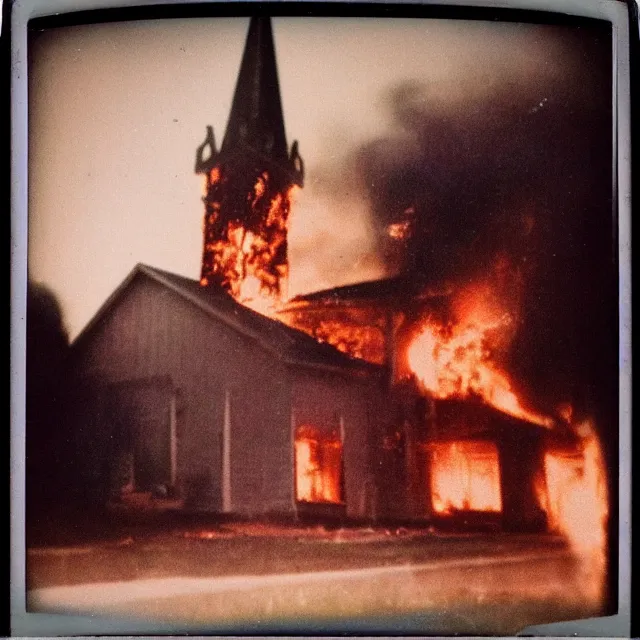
(460, 594)
(110, 550)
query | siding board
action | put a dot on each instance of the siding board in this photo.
(151, 331)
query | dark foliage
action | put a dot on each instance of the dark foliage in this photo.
(47, 376)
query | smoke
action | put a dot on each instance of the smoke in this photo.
(511, 177)
(332, 240)
(493, 173)
(511, 184)
(503, 175)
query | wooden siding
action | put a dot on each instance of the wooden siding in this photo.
(151, 331)
(322, 400)
(261, 443)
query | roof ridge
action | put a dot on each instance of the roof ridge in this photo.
(288, 338)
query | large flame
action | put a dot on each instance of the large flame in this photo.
(245, 248)
(576, 503)
(455, 359)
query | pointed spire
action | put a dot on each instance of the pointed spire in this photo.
(256, 118)
(256, 124)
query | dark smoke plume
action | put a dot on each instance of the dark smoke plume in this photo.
(518, 173)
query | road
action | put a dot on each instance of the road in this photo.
(477, 585)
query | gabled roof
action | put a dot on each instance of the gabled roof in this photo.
(289, 345)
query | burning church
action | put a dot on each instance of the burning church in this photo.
(248, 183)
(377, 400)
(189, 394)
(197, 398)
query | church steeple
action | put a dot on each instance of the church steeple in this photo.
(249, 182)
(256, 124)
(256, 119)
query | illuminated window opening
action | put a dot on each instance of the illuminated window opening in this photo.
(318, 465)
(465, 476)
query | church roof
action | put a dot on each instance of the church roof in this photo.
(289, 345)
(379, 291)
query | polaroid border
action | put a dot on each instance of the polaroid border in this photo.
(624, 20)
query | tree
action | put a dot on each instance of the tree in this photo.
(47, 434)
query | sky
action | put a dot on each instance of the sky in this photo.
(117, 111)
(495, 137)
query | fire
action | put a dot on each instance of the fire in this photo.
(251, 295)
(400, 230)
(454, 360)
(245, 239)
(364, 342)
(465, 476)
(318, 464)
(577, 503)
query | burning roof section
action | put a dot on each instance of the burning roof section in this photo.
(397, 291)
(363, 319)
(287, 344)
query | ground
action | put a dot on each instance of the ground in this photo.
(201, 574)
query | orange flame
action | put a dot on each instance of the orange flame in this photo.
(214, 175)
(318, 463)
(577, 504)
(247, 254)
(364, 342)
(465, 476)
(454, 361)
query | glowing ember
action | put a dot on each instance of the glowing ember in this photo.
(577, 504)
(318, 462)
(399, 230)
(465, 476)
